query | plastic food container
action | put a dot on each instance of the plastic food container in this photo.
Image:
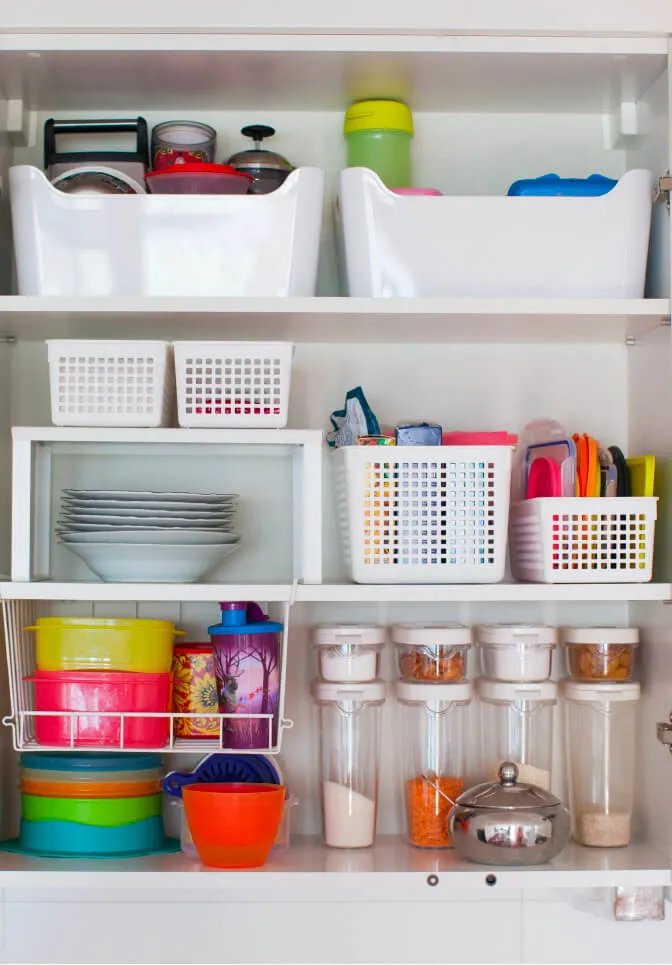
(350, 760)
(90, 775)
(348, 653)
(182, 142)
(198, 179)
(601, 722)
(246, 649)
(98, 643)
(601, 653)
(234, 825)
(516, 653)
(82, 696)
(101, 812)
(378, 134)
(432, 653)
(433, 731)
(195, 690)
(517, 725)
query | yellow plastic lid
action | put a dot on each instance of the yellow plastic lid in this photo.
(378, 115)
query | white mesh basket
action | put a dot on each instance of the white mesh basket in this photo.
(110, 383)
(583, 540)
(424, 514)
(234, 384)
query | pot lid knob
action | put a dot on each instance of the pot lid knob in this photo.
(257, 132)
(508, 774)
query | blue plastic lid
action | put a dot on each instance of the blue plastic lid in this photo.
(235, 617)
(224, 769)
(551, 185)
(89, 761)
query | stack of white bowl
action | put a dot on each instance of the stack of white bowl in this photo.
(148, 537)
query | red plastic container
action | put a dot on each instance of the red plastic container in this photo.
(233, 825)
(93, 690)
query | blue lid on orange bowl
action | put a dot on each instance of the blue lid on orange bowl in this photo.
(83, 761)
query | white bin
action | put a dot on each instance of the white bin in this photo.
(424, 514)
(233, 384)
(100, 382)
(196, 245)
(583, 540)
(494, 247)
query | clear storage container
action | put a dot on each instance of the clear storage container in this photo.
(431, 653)
(348, 652)
(601, 653)
(601, 729)
(517, 725)
(433, 734)
(516, 653)
(350, 753)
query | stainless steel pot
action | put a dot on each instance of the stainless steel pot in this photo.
(507, 823)
(268, 169)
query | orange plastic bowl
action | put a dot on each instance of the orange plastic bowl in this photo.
(233, 825)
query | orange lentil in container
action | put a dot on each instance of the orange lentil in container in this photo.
(428, 810)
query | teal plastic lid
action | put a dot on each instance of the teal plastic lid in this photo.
(90, 761)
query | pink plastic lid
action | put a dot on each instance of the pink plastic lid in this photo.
(417, 192)
(200, 167)
(478, 439)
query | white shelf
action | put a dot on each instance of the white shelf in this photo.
(252, 437)
(309, 872)
(336, 592)
(469, 320)
(285, 72)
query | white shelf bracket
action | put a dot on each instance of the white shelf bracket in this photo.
(19, 123)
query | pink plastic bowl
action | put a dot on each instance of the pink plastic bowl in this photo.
(94, 690)
(417, 192)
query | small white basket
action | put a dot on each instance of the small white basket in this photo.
(424, 514)
(110, 383)
(583, 540)
(233, 384)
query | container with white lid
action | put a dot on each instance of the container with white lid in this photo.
(348, 652)
(517, 725)
(350, 760)
(516, 652)
(601, 721)
(433, 745)
(600, 653)
(432, 653)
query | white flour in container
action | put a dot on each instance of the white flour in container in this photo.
(349, 817)
(599, 830)
(340, 664)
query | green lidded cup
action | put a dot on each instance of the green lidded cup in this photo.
(378, 136)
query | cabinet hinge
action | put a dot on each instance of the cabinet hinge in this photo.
(663, 190)
(664, 734)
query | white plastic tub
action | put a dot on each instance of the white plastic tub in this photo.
(347, 652)
(516, 653)
(197, 245)
(396, 246)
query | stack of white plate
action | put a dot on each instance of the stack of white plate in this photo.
(147, 537)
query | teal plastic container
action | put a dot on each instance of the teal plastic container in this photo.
(67, 838)
(378, 135)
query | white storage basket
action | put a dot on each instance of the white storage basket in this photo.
(108, 383)
(487, 247)
(233, 384)
(583, 540)
(424, 514)
(196, 245)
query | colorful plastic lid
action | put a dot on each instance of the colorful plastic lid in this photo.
(551, 185)
(89, 761)
(235, 620)
(375, 115)
(225, 769)
(417, 192)
(192, 648)
(197, 167)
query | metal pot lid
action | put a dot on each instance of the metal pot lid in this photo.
(258, 158)
(507, 793)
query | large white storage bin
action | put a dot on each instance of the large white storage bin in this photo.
(233, 384)
(424, 514)
(397, 246)
(249, 245)
(106, 383)
(583, 540)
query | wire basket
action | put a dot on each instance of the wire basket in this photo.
(110, 383)
(424, 514)
(583, 540)
(233, 384)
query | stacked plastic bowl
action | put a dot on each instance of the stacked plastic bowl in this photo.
(90, 804)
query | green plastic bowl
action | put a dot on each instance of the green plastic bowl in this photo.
(99, 812)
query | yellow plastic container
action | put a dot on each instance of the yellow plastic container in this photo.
(93, 643)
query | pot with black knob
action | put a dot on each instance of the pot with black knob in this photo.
(268, 169)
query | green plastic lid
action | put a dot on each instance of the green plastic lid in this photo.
(378, 116)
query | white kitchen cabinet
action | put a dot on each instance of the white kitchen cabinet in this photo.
(489, 108)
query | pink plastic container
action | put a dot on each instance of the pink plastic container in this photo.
(417, 192)
(478, 439)
(93, 690)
